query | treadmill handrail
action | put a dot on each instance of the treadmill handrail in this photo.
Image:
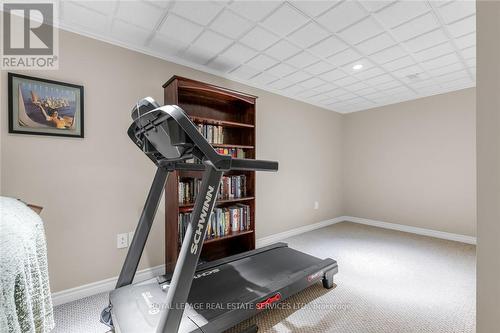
(253, 165)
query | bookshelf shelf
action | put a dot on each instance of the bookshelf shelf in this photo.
(211, 121)
(189, 206)
(226, 145)
(231, 235)
(234, 112)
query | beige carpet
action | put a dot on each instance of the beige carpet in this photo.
(388, 281)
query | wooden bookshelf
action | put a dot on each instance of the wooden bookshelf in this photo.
(235, 113)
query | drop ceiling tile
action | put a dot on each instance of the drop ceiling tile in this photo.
(254, 10)
(427, 40)
(374, 6)
(313, 8)
(302, 60)
(369, 73)
(471, 62)
(201, 12)
(414, 76)
(262, 62)
(264, 78)
(90, 20)
(312, 83)
(139, 13)
(389, 54)
(416, 27)
(457, 10)
(179, 29)
(308, 93)
(399, 63)
(463, 27)
(333, 75)
(281, 70)
(337, 93)
(210, 43)
(452, 76)
(357, 86)
(284, 20)
(344, 57)
(166, 46)
(244, 72)
(461, 83)
(281, 84)
(401, 12)
(410, 70)
(342, 15)
(238, 53)
(129, 33)
(293, 90)
(308, 35)
(434, 52)
(375, 81)
(348, 68)
(230, 24)
(361, 31)
(388, 85)
(283, 50)
(345, 81)
(466, 41)
(318, 68)
(366, 91)
(298, 76)
(375, 44)
(259, 39)
(328, 47)
(197, 55)
(223, 64)
(103, 7)
(441, 61)
(158, 3)
(326, 87)
(469, 52)
(446, 69)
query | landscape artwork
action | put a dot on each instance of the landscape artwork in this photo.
(45, 107)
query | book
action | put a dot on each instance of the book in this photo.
(222, 222)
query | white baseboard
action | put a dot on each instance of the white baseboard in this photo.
(297, 231)
(73, 294)
(413, 230)
(90, 289)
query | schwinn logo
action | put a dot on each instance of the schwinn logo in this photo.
(207, 273)
(29, 37)
(201, 222)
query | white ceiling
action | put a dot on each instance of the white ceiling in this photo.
(301, 49)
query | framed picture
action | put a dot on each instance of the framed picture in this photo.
(44, 107)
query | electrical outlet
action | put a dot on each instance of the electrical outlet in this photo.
(121, 241)
(316, 205)
(130, 237)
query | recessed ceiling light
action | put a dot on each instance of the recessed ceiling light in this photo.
(357, 67)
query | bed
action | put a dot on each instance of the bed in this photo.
(25, 300)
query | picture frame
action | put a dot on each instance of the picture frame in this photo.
(45, 107)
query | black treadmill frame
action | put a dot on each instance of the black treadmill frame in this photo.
(214, 165)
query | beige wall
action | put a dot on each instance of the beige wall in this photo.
(94, 188)
(488, 167)
(413, 163)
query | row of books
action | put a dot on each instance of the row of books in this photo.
(234, 152)
(231, 187)
(223, 221)
(213, 134)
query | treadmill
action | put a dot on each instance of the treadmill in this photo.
(213, 296)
